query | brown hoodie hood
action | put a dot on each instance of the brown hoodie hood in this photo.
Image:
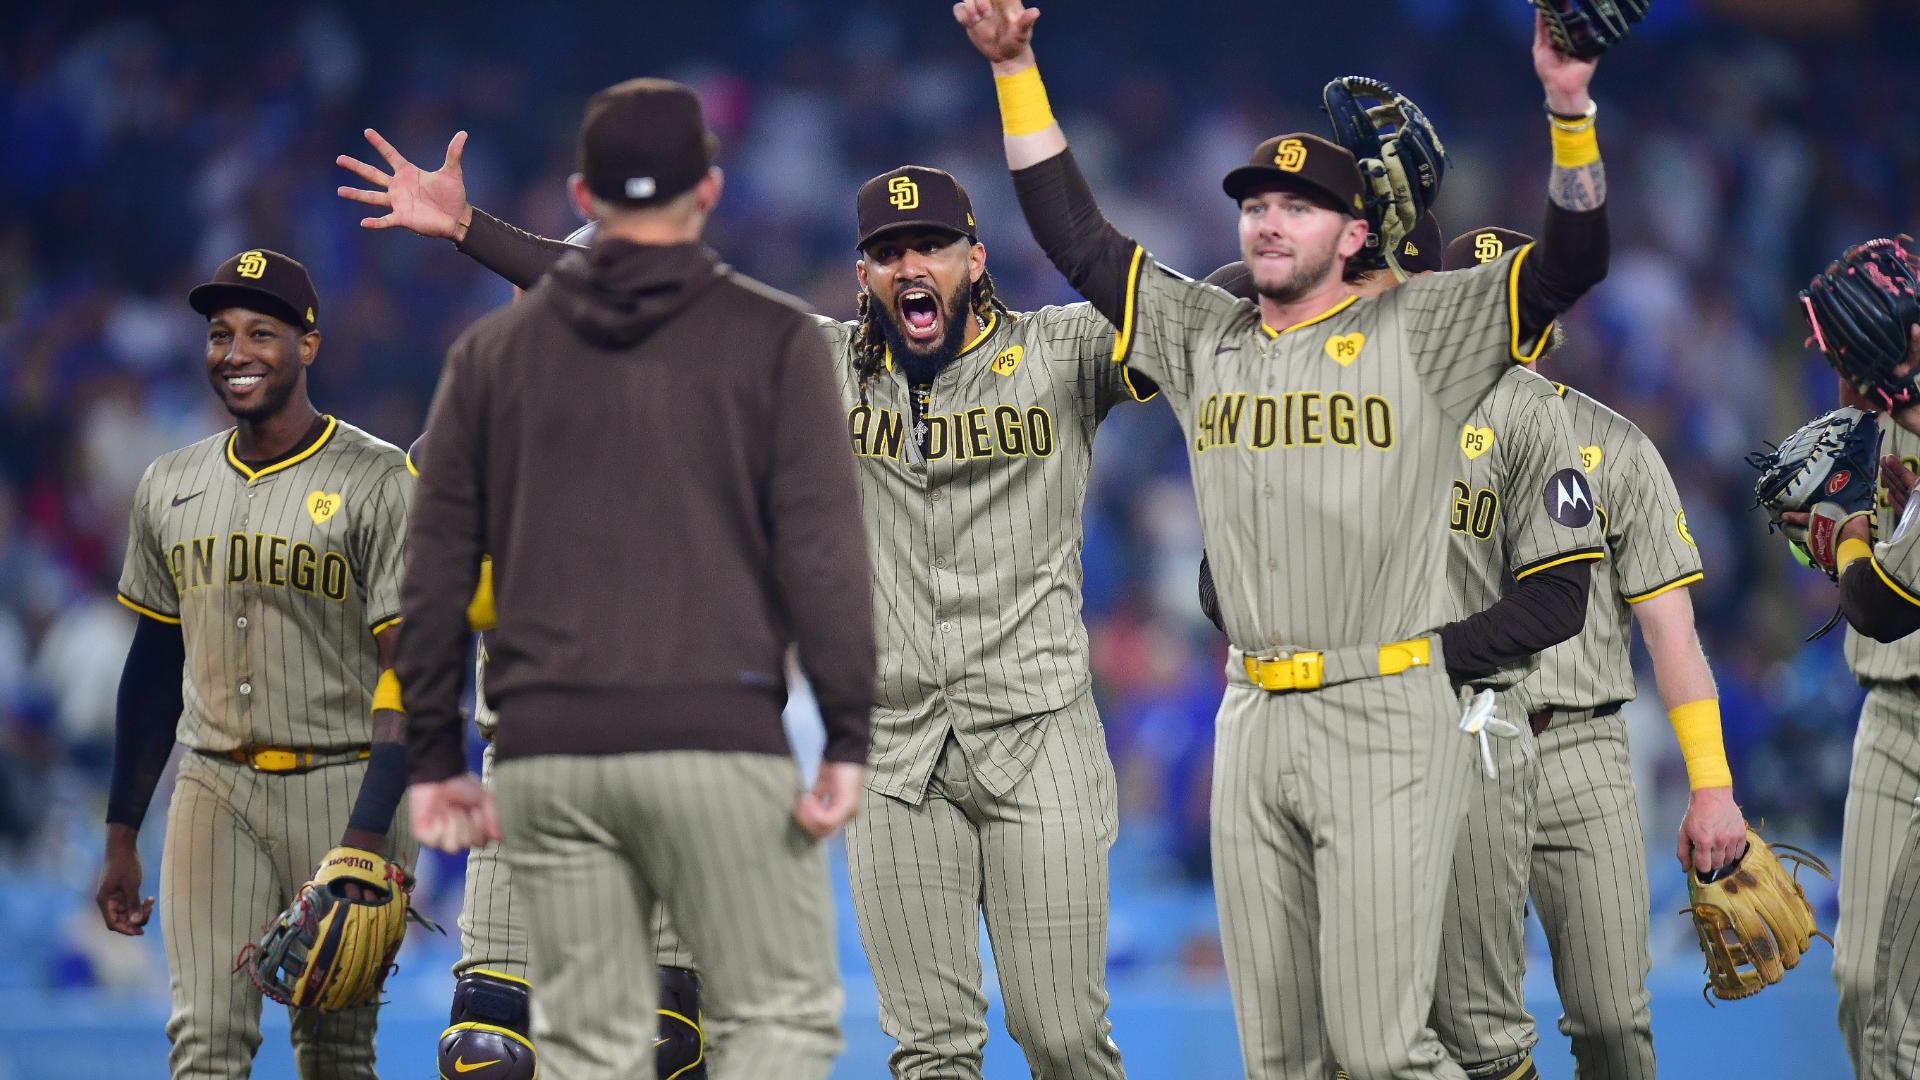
(616, 293)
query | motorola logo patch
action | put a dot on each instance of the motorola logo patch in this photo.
(1569, 500)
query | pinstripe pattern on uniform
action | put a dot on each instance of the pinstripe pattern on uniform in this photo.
(1035, 862)
(1335, 815)
(598, 843)
(1892, 1037)
(306, 661)
(1589, 881)
(1872, 661)
(238, 845)
(1648, 551)
(976, 542)
(1880, 818)
(1512, 447)
(1321, 454)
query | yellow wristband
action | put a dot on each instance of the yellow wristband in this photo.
(1851, 549)
(386, 693)
(1697, 726)
(1023, 102)
(1573, 149)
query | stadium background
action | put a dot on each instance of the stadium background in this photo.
(1747, 142)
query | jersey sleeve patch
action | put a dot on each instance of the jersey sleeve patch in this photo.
(1568, 499)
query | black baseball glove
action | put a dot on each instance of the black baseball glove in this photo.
(1400, 158)
(1862, 309)
(1826, 470)
(1583, 29)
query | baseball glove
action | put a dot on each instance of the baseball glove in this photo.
(1826, 469)
(328, 952)
(1753, 918)
(1400, 156)
(1862, 309)
(1583, 29)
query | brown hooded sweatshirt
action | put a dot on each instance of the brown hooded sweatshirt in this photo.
(650, 448)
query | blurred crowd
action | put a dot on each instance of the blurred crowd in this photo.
(138, 150)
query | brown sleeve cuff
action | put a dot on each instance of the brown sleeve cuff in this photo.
(513, 253)
(848, 736)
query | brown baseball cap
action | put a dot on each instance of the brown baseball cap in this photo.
(913, 196)
(261, 280)
(1482, 246)
(644, 141)
(1420, 250)
(1305, 163)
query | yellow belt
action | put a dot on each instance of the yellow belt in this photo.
(283, 759)
(1308, 670)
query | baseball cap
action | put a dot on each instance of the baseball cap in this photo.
(1420, 251)
(1305, 163)
(261, 280)
(913, 196)
(644, 141)
(1482, 246)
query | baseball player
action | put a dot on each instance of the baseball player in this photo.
(265, 564)
(492, 996)
(1879, 923)
(1320, 426)
(1523, 531)
(1587, 863)
(972, 426)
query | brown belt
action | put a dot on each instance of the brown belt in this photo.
(1543, 719)
(287, 759)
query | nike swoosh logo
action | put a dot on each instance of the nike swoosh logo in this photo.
(179, 500)
(460, 1065)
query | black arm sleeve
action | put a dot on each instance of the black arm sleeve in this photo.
(1541, 611)
(513, 253)
(146, 716)
(1067, 223)
(1872, 608)
(1210, 596)
(1570, 258)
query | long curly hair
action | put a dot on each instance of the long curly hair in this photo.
(870, 342)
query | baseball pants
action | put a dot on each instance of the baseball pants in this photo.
(1589, 882)
(1035, 862)
(1479, 1001)
(239, 845)
(596, 844)
(1881, 799)
(1335, 813)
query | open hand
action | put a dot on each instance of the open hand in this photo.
(1897, 480)
(428, 203)
(1001, 29)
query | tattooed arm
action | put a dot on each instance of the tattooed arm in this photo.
(1571, 256)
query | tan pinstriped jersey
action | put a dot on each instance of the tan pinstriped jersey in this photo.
(1322, 453)
(1649, 552)
(1900, 660)
(976, 540)
(278, 578)
(1520, 502)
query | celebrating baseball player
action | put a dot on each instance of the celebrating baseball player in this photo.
(1864, 317)
(972, 426)
(1319, 427)
(265, 564)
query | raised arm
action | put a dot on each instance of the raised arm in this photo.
(1059, 206)
(1572, 254)
(435, 204)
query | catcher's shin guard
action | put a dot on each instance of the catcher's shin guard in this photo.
(489, 1029)
(680, 1051)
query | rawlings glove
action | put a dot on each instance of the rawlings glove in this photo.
(1862, 309)
(1400, 156)
(1753, 919)
(1583, 29)
(328, 952)
(1826, 470)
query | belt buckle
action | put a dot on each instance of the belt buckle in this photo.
(1306, 669)
(274, 761)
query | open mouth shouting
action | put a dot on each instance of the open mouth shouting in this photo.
(920, 315)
